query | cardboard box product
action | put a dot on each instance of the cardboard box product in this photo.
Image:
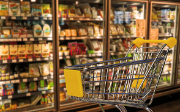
(14, 9)
(21, 51)
(4, 52)
(37, 50)
(36, 10)
(46, 10)
(29, 50)
(13, 51)
(23, 33)
(5, 33)
(25, 9)
(63, 10)
(3, 8)
(15, 33)
(45, 50)
(38, 32)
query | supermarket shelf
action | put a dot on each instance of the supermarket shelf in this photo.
(25, 60)
(79, 38)
(117, 53)
(127, 19)
(81, 19)
(26, 39)
(165, 35)
(25, 18)
(80, 56)
(26, 94)
(122, 36)
(163, 20)
(28, 79)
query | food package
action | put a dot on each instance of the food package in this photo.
(1, 106)
(29, 50)
(3, 69)
(73, 48)
(82, 31)
(51, 67)
(111, 14)
(101, 31)
(38, 32)
(30, 33)
(14, 105)
(42, 85)
(77, 61)
(15, 33)
(121, 29)
(33, 70)
(71, 11)
(44, 69)
(68, 62)
(45, 50)
(3, 8)
(83, 60)
(62, 96)
(73, 33)
(4, 52)
(82, 48)
(47, 30)
(23, 33)
(24, 74)
(22, 87)
(32, 86)
(5, 33)
(14, 9)
(94, 12)
(63, 10)
(68, 32)
(9, 89)
(1, 90)
(9, 23)
(96, 30)
(23, 103)
(35, 99)
(50, 83)
(78, 12)
(25, 9)
(85, 7)
(130, 29)
(95, 45)
(62, 82)
(37, 50)
(21, 51)
(36, 10)
(50, 47)
(46, 10)
(62, 33)
(101, 13)
(113, 30)
(90, 31)
(7, 104)
(13, 51)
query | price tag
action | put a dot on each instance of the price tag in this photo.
(77, 56)
(60, 57)
(44, 77)
(110, 36)
(24, 39)
(25, 18)
(13, 17)
(30, 59)
(10, 96)
(67, 38)
(50, 18)
(51, 90)
(19, 39)
(84, 56)
(24, 80)
(31, 39)
(40, 39)
(0, 98)
(93, 55)
(61, 38)
(36, 18)
(51, 58)
(38, 59)
(64, 18)
(43, 92)
(4, 61)
(118, 36)
(3, 17)
(17, 81)
(67, 56)
(91, 37)
(45, 18)
(112, 53)
(13, 81)
(98, 54)
(28, 94)
(3, 82)
(21, 60)
(71, 18)
(7, 82)
(46, 58)
(35, 79)
(51, 77)
(49, 38)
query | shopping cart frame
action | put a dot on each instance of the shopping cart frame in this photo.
(84, 68)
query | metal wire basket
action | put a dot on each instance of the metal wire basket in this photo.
(125, 81)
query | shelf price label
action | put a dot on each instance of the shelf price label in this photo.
(19, 39)
(45, 18)
(0, 98)
(40, 39)
(24, 80)
(21, 60)
(38, 59)
(30, 59)
(36, 18)
(25, 18)
(44, 77)
(71, 18)
(13, 81)
(24, 39)
(7, 82)
(28, 94)
(13, 17)
(3, 17)
(4, 61)
(31, 39)
(10, 96)
(67, 57)
(17, 81)
(35, 79)
(46, 58)
(43, 92)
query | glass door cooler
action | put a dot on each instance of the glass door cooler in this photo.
(164, 24)
(26, 56)
(128, 21)
(80, 40)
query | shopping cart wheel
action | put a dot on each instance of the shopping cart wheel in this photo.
(121, 108)
(148, 109)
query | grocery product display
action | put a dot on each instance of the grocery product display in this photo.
(26, 56)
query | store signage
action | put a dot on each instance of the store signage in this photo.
(140, 27)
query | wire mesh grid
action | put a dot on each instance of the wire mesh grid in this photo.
(123, 81)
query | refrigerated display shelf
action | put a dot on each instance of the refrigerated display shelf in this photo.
(25, 18)
(122, 36)
(163, 21)
(117, 53)
(28, 79)
(80, 56)
(25, 60)
(79, 38)
(26, 94)
(81, 19)
(124, 19)
(25, 39)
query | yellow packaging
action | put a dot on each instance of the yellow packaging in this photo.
(13, 51)
(3, 8)
(45, 50)
(46, 10)
(21, 51)
(37, 50)
(4, 52)
(29, 50)
(63, 10)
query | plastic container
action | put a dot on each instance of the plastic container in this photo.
(64, 48)
(60, 53)
(66, 53)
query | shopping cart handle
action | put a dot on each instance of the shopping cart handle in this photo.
(170, 42)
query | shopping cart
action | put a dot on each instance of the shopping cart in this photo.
(127, 81)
